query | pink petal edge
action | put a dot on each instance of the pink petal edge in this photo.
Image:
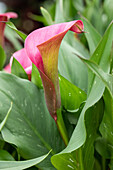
(42, 47)
(42, 35)
(9, 15)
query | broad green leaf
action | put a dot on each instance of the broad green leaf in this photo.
(96, 90)
(69, 10)
(106, 127)
(13, 37)
(71, 95)
(5, 156)
(29, 126)
(83, 158)
(90, 12)
(108, 8)
(104, 148)
(12, 26)
(59, 14)
(68, 161)
(101, 55)
(92, 36)
(73, 115)
(5, 119)
(2, 58)
(18, 70)
(46, 15)
(79, 5)
(70, 66)
(106, 78)
(19, 165)
(77, 46)
(93, 118)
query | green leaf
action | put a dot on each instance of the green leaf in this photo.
(18, 70)
(102, 56)
(2, 58)
(93, 118)
(83, 158)
(5, 119)
(19, 165)
(104, 148)
(97, 164)
(70, 66)
(69, 10)
(67, 161)
(73, 115)
(35, 77)
(59, 14)
(106, 127)
(79, 5)
(5, 156)
(46, 15)
(29, 126)
(12, 26)
(92, 36)
(108, 8)
(71, 95)
(111, 164)
(106, 78)
(96, 90)
(13, 38)
(37, 18)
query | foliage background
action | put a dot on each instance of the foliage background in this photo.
(99, 102)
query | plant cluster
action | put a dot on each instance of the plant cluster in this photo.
(56, 93)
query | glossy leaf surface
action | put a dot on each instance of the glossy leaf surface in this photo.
(19, 165)
(70, 66)
(106, 127)
(5, 156)
(71, 95)
(29, 123)
(96, 89)
(12, 26)
(106, 78)
(18, 70)
(92, 36)
(5, 119)
(83, 158)
(2, 58)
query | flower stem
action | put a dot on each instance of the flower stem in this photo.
(61, 127)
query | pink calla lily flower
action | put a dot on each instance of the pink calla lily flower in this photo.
(42, 47)
(5, 17)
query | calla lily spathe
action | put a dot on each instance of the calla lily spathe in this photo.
(5, 17)
(42, 47)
